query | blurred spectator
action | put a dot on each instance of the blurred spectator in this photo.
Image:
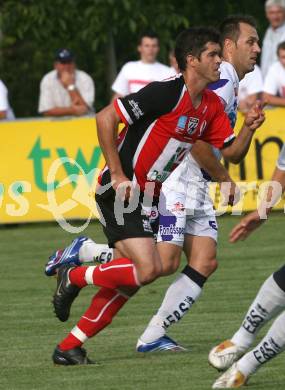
(6, 111)
(135, 75)
(250, 89)
(274, 83)
(172, 62)
(275, 13)
(66, 90)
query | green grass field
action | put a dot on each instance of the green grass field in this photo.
(29, 331)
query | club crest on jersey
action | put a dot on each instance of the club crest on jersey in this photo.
(192, 125)
(181, 124)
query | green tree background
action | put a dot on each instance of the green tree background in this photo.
(102, 34)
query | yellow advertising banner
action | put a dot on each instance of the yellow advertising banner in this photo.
(260, 162)
(49, 167)
(48, 170)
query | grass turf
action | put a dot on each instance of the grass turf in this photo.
(29, 331)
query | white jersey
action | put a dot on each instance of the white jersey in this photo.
(251, 84)
(274, 82)
(135, 75)
(189, 172)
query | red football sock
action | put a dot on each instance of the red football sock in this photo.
(118, 273)
(77, 276)
(104, 306)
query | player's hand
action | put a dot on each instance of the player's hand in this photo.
(230, 193)
(246, 226)
(67, 78)
(255, 116)
(123, 186)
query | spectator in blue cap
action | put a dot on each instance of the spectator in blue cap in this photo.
(66, 90)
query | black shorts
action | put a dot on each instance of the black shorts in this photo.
(142, 221)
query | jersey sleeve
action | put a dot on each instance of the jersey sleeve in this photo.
(224, 89)
(219, 132)
(150, 102)
(270, 83)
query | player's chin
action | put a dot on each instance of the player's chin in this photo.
(251, 65)
(215, 77)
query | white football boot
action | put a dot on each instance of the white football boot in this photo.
(232, 378)
(224, 355)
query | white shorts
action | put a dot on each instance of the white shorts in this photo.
(176, 219)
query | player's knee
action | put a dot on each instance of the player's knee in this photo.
(149, 273)
(171, 266)
(212, 266)
(147, 278)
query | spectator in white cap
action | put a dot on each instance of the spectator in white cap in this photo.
(66, 90)
(275, 13)
(6, 111)
(274, 83)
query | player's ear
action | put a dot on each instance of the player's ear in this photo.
(228, 45)
(190, 60)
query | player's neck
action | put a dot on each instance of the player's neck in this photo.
(195, 86)
(229, 59)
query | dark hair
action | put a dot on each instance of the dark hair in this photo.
(230, 27)
(281, 46)
(193, 41)
(147, 34)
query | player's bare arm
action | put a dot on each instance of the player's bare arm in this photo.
(256, 218)
(236, 152)
(203, 154)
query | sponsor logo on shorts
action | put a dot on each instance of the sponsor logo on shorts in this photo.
(168, 228)
(146, 226)
(178, 206)
(213, 225)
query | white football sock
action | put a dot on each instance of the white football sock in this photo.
(269, 302)
(270, 346)
(179, 297)
(90, 251)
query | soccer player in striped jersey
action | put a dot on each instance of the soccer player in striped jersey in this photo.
(162, 122)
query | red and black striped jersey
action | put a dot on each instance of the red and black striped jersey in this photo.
(161, 125)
